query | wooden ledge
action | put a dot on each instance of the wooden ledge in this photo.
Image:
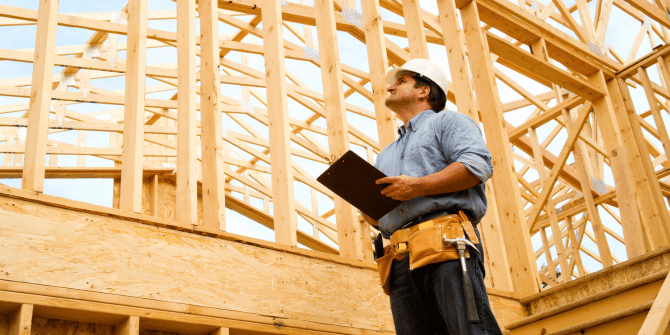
(79, 206)
(106, 308)
(592, 276)
(660, 275)
(504, 294)
(641, 308)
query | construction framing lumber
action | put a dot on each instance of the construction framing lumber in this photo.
(213, 202)
(40, 99)
(226, 131)
(282, 172)
(133, 144)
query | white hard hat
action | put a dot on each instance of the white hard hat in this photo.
(425, 68)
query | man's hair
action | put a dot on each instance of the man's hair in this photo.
(437, 99)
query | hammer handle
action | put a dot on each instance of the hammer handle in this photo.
(470, 304)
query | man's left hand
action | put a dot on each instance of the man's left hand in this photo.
(402, 187)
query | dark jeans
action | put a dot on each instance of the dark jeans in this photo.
(430, 299)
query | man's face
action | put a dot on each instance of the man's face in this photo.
(402, 93)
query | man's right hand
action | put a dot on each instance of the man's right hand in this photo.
(371, 220)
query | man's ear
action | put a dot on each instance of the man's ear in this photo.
(424, 92)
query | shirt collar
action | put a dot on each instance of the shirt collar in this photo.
(416, 121)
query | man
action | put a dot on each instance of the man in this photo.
(437, 166)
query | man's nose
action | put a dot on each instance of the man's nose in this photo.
(390, 88)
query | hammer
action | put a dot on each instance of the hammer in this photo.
(462, 244)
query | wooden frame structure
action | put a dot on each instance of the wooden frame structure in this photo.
(574, 165)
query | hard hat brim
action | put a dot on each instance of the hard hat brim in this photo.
(391, 75)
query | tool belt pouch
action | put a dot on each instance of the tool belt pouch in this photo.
(384, 267)
(425, 246)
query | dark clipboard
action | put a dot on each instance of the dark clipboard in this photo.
(353, 179)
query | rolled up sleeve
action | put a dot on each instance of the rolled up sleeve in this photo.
(462, 141)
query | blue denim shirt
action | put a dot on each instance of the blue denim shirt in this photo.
(431, 142)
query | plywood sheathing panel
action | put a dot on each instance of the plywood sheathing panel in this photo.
(51, 246)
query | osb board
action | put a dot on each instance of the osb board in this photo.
(601, 281)
(167, 198)
(51, 246)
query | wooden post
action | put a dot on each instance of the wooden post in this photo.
(133, 120)
(496, 255)
(221, 331)
(378, 62)
(154, 195)
(515, 232)
(623, 179)
(416, 35)
(278, 124)
(187, 184)
(213, 179)
(336, 121)
(21, 320)
(129, 326)
(654, 213)
(631, 225)
(458, 67)
(40, 96)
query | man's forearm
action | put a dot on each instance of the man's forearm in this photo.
(455, 177)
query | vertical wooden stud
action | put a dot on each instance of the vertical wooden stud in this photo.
(154, 195)
(213, 179)
(378, 62)
(278, 124)
(21, 320)
(647, 188)
(133, 120)
(129, 326)
(496, 255)
(458, 67)
(506, 189)
(416, 35)
(630, 218)
(623, 178)
(336, 120)
(187, 192)
(40, 96)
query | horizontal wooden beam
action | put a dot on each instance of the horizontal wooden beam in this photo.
(535, 66)
(10, 172)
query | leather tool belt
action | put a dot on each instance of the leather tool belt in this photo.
(423, 243)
